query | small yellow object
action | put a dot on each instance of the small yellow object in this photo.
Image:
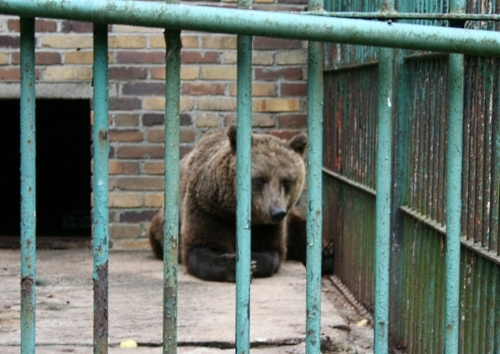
(129, 343)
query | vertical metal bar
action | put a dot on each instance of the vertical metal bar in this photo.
(171, 210)
(454, 156)
(100, 188)
(314, 189)
(28, 186)
(383, 199)
(453, 200)
(243, 188)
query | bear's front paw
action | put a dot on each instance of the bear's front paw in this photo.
(227, 262)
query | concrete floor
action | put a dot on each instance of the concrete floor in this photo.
(206, 318)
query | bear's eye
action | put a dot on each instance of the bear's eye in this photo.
(287, 184)
(258, 182)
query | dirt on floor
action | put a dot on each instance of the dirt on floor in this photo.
(206, 310)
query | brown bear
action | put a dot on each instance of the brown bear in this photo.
(208, 206)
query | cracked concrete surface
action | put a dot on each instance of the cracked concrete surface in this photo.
(206, 312)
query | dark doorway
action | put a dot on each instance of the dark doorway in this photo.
(63, 173)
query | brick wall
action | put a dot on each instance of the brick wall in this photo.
(137, 74)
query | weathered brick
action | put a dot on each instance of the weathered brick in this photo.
(126, 119)
(188, 72)
(276, 105)
(139, 152)
(41, 58)
(185, 150)
(125, 135)
(4, 59)
(157, 41)
(127, 73)
(67, 41)
(41, 25)
(158, 104)
(258, 89)
(9, 42)
(269, 74)
(140, 57)
(125, 231)
(63, 73)
(258, 120)
(219, 42)
(266, 43)
(153, 200)
(140, 183)
(298, 89)
(199, 57)
(219, 104)
(205, 120)
(76, 26)
(136, 29)
(189, 41)
(219, 72)
(124, 104)
(81, 57)
(10, 74)
(150, 119)
(117, 167)
(154, 168)
(292, 121)
(144, 89)
(258, 58)
(292, 57)
(128, 42)
(198, 89)
(186, 119)
(137, 216)
(158, 135)
(125, 200)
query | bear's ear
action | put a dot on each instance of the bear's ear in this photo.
(299, 143)
(231, 134)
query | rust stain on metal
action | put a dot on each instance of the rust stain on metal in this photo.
(101, 309)
(26, 287)
(103, 134)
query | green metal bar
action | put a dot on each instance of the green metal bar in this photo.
(243, 188)
(383, 200)
(314, 189)
(454, 156)
(28, 187)
(243, 193)
(171, 209)
(407, 16)
(349, 181)
(237, 21)
(100, 188)
(453, 200)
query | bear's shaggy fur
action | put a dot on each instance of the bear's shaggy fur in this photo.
(208, 206)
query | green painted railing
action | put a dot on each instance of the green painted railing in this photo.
(245, 23)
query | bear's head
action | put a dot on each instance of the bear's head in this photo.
(278, 174)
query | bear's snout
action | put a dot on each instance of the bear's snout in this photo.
(277, 214)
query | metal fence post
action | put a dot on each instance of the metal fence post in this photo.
(454, 192)
(28, 186)
(100, 188)
(314, 189)
(243, 188)
(383, 198)
(171, 194)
